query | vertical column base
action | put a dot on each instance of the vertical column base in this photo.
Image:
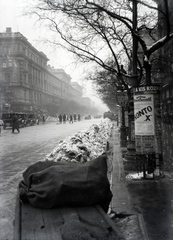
(123, 136)
(130, 157)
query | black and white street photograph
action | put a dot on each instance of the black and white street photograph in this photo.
(86, 120)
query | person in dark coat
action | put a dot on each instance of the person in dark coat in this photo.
(44, 119)
(71, 119)
(64, 118)
(1, 124)
(60, 118)
(15, 124)
(78, 117)
(74, 117)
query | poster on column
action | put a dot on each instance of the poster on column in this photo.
(145, 109)
(144, 114)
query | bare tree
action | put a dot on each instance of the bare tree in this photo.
(106, 87)
(100, 30)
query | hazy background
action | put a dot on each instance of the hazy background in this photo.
(12, 15)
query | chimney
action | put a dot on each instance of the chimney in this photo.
(8, 30)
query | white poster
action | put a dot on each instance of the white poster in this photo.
(144, 114)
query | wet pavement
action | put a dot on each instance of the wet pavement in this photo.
(17, 152)
(154, 200)
(129, 221)
(150, 199)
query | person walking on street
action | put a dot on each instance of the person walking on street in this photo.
(71, 119)
(44, 119)
(74, 117)
(64, 118)
(1, 124)
(79, 117)
(15, 124)
(60, 118)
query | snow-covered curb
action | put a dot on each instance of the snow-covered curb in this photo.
(84, 145)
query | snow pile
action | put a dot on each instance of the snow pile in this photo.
(83, 146)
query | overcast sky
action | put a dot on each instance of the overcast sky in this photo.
(12, 15)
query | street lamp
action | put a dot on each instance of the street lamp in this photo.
(122, 100)
(134, 81)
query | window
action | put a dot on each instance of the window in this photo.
(25, 95)
(171, 92)
(7, 77)
(23, 49)
(26, 52)
(163, 95)
(14, 48)
(167, 93)
(25, 65)
(7, 48)
(10, 63)
(4, 64)
(7, 63)
(34, 96)
(25, 78)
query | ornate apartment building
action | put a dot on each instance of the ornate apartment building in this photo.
(166, 76)
(28, 84)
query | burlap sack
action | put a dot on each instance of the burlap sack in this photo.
(59, 184)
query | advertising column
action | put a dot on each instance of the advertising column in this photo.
(145, 118)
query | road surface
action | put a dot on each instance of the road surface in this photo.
(18, 151)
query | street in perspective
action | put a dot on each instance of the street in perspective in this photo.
(18, 151)
(67, 66)
(131, 197)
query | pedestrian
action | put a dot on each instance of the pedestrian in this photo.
(79, 117)
(74, 117)
(38, 119)
(44, 119)
(1, 124)
(15, 123)
(71, 119)
(64, 118)
(60, 118)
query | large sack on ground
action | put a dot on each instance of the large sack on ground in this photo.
(65, 184)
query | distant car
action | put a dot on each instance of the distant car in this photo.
(87, 117)
(110, 115)
(7, 119)
(23, 118)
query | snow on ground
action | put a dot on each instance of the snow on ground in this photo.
(84, 145)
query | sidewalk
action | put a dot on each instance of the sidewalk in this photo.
(120, 201)
(130, 223)
(145, 206)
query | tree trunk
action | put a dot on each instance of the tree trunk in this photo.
(147, 67)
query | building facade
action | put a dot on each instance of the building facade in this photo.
(166, 76)
(27, 83)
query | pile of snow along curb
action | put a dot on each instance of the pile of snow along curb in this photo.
(83, 146)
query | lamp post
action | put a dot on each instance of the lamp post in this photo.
(122, 100)
(133, 83)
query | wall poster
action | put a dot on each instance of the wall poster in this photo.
(145, 118)
(144, 114)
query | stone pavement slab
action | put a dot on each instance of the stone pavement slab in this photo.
(130, 222)
(120, 201)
